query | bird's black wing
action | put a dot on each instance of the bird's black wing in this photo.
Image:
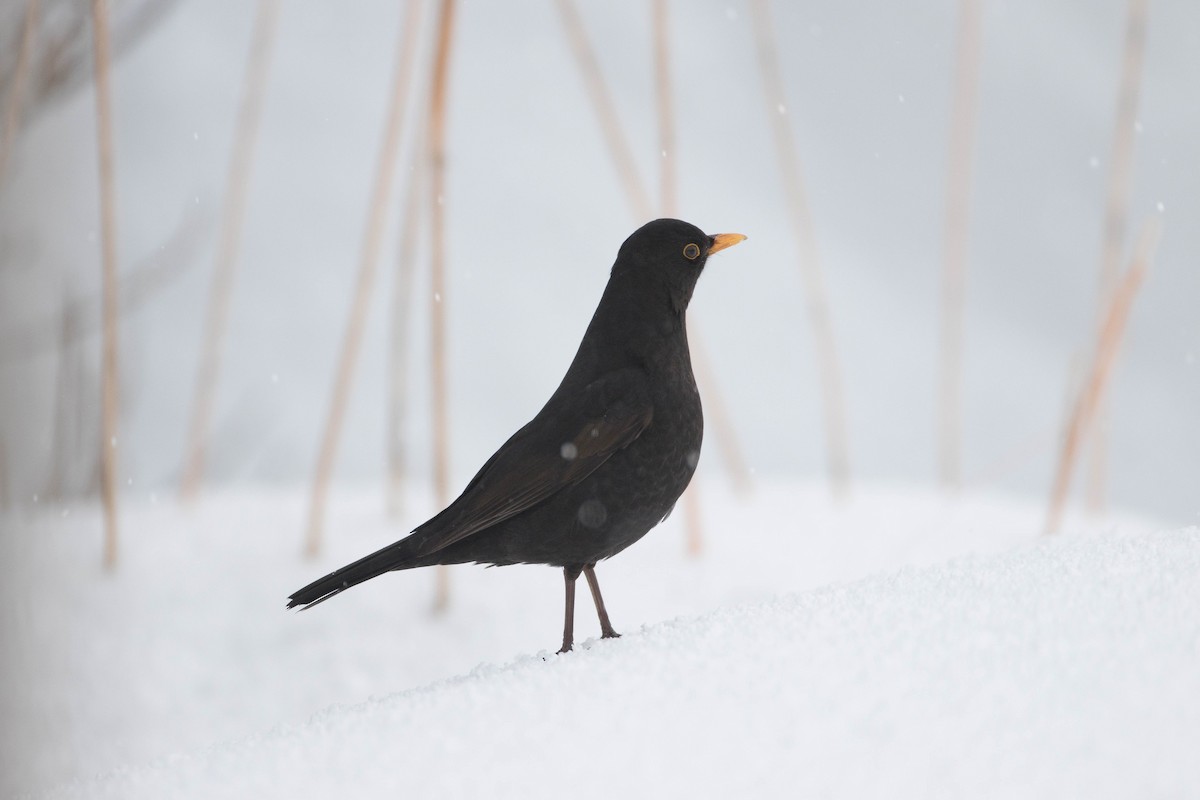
(568, 440)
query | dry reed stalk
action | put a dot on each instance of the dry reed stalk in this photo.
(727, 442)
(693, 523)
(810, 264)
(62, 59)
(437, 316)
(1116, 215)
(402, 292)
(108, 236)
(717, 410)
(1108, 340)
(618, 145)
(963, 117)
(693, 514)
(360, 303)
(12, 106)
(718, 414)
(237, 182)
(668, 185)
(4, 493)
(62, 390)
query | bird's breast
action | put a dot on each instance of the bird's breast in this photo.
(661, 461)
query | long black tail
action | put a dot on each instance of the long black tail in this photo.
(395, 556)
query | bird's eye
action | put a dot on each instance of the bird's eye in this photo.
(691, 251)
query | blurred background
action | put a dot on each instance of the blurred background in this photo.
(535, 211)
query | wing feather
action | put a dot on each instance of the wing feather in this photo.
(568, 440)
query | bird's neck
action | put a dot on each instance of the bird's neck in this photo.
(633, 324)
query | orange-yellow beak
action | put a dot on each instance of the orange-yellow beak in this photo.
(723, 240)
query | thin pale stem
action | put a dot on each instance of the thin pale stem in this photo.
(811, 274)
(668, 185)
(963, 118)
(110, 312)
(437, 234)
(618, 145)
(717, 411)
(1108, 341)
(63, 389)
(1116, 215)
(234, 212)
(693, 523)
(693, 512)
(372, 239)
(14, 104)
(4, 491)
(402, 295)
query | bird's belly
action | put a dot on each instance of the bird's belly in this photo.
(614, 506)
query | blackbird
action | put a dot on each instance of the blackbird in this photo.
(605, 459)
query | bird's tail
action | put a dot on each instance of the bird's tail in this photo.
(395, 556)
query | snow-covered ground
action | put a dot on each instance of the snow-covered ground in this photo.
(897, 644)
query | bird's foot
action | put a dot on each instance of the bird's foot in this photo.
(609, 633)
(566, 648)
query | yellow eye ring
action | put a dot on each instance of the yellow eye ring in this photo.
(691, 251)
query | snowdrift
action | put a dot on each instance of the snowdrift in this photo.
(1063, 668)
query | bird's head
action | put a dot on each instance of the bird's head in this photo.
(668, 254)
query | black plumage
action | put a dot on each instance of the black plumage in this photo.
(605, 459)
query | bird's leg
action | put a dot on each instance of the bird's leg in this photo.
(569, 575)
(606, 628)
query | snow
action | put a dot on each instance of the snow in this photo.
(899, 644)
